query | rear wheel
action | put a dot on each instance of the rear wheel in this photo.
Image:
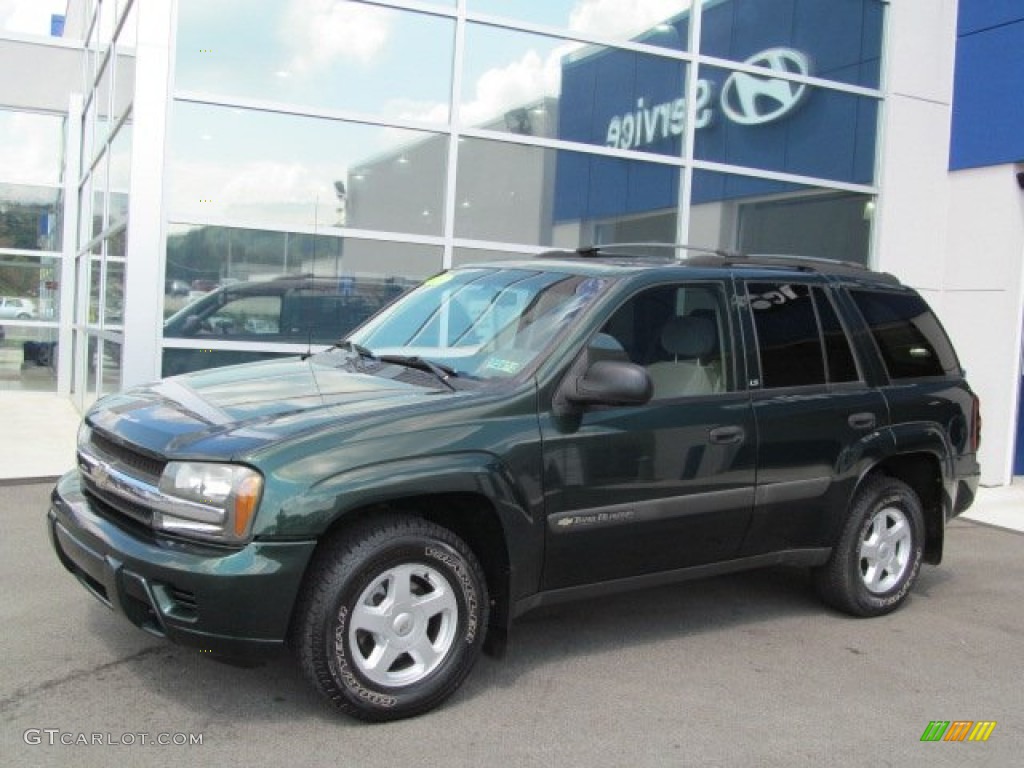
(878, 556)
(392, 618)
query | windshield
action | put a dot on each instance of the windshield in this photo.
(486, 323)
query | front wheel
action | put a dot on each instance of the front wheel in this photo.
(392, 618)
(878, 556)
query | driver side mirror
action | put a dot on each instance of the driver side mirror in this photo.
(610, 382)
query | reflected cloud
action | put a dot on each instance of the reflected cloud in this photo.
(30, 147)
(30, 17)
(614, 18)
(531, 78)
(322, 31)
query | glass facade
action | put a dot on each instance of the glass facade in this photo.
(104, 182)
(31, 216)
(358, 145)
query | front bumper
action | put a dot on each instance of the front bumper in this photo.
(235, 602)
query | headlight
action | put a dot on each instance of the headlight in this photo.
(209, 501)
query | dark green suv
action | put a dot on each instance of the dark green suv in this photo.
(521, 433)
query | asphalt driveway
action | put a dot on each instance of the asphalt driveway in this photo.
(745, 670)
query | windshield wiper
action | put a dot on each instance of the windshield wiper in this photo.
(441, 371)
(351, 346)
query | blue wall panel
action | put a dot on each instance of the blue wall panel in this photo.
(976, 15)
(988, 95)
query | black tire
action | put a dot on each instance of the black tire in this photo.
(392, 617)
(876, 561)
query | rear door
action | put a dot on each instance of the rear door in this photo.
(814, 412)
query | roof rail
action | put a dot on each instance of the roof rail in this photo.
(602, 249)
(818, 264)
(725, 258)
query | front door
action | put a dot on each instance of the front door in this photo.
(642, 489)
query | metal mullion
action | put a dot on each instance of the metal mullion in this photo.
(454, 136)
(791, 178)
(832, 85)
(283, 108)
(578, 37)
(685, 199)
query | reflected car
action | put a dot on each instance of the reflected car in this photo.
(13, 308)
(292, 309)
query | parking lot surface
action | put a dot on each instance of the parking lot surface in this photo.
(745, 670)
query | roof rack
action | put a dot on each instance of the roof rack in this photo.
(602, 249)
(817, 264)
(722, 257)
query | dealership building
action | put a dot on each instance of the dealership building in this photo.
(153, 152)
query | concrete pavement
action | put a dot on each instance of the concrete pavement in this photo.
(744, 670)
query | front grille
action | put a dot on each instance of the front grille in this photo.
(114, 505)
(117, 508)
(132, 461)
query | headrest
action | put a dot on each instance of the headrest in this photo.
(689, 336)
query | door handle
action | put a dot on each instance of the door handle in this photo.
(862, 421)
(727, 435)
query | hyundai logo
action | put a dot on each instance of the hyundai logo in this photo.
(757, 99)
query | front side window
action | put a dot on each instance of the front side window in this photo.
(680, 334)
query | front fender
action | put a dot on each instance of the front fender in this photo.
(315, 511)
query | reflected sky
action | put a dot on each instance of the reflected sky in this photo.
(613, 19)
(319, 54)
(29, 17)
(232, 162)
(30, 147)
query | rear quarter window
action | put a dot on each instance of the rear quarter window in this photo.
(910, 338)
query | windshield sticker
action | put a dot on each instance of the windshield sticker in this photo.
(510, 367)
(440, 279)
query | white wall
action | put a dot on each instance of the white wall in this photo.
(957, 237)
(982, 302)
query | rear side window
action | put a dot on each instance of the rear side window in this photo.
(909, 336)
(800, 340)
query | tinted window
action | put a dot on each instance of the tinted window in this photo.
(838, 355)
(908, 334)
(788, 340)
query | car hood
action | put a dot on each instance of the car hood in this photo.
(228, 412)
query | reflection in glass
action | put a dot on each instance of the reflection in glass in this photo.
(110, 362)
(30, 217)
(101, 98)
(462, 256)
(840, 41)
(662, 23)
(31, 147)
(523, 194)
(31, 288)
(782, 125)
(28, 358)
(95, 281)
(482, 323)
(99, 190)
(120, 173)
(333, 55)
(201, 259)
(113, 298)
(761, 216)
(233, 162)
(545, 86)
